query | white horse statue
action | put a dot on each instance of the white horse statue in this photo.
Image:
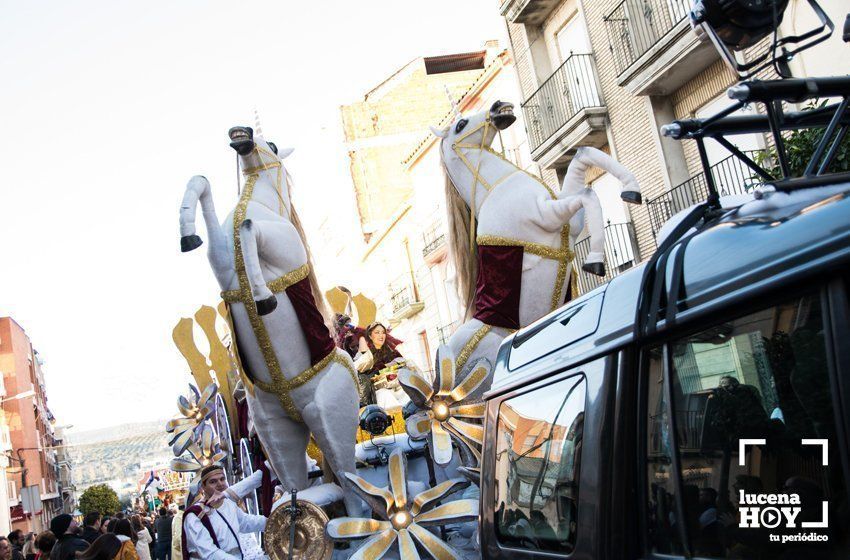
(511, 239)
(259, 256)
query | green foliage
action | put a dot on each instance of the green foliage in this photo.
(799, 147)
(100, 497)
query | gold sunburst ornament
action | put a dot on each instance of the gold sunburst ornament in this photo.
(202, 453)
(443, 414)
(403, 520)
(194, 411)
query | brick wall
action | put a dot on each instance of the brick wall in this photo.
(704, 88)
(385, 126)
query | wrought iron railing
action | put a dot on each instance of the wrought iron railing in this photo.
(433, 238)
(635, 26)
(621, 253)
(570, 88)
(445, 331)
(401, 295)
(731, 176)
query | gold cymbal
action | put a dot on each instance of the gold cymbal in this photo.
(310, 540)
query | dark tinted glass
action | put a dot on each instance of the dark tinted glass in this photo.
(538, 454)
(763, 378)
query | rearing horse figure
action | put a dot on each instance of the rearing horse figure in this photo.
(259, 256)
(511, 239)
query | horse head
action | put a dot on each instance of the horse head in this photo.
(466, 137)
(477, 130)
(255, 152)
(261, 159)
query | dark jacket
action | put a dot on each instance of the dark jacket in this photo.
(67, 546)
(89, 534)
(163, 529)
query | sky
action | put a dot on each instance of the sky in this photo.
(108, 108)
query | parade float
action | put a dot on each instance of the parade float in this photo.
(372, 483)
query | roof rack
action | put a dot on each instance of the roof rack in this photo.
(834, 118)
(738, 24)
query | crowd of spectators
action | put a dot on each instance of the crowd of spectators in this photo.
(119, 537)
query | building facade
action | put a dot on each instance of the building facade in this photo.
(33, 454)
(383, 127)
(65, 471)
(608, 74)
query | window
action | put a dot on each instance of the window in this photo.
(573, 41)
(765, 377)
(571, 324)
(538, 454)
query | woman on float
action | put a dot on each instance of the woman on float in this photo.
(377, 351)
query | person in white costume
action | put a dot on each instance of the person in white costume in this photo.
(212, 526)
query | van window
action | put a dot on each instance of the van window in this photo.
(763, 377)
(538, 459)
(571, 324)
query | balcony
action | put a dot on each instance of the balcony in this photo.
(565, 112)
(403, 301)
(446, 331)
(434, 243)
(621, 254)
(529, 12)
(655, 50)
(731, 176)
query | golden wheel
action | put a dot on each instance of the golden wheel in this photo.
(310, 540)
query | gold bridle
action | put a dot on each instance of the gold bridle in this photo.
(459, 145)
(265, 166)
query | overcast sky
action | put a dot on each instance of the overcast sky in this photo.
(108, 107)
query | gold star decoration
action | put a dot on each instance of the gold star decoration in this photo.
(403, 520)
(443, 415)
(194, 411)
(202, 453)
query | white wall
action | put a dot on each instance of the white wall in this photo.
(826, 59)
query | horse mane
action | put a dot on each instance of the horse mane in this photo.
(318, 296)
(461, 255)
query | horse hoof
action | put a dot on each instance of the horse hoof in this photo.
(597, 268)
(190, 243)
(266, 306)
(632, 197)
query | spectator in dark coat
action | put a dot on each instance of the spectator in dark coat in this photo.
(163, 535)
(91, 527)
(68, 543)
(16, 539)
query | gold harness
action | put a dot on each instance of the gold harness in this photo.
(279, 385)
(562, 254)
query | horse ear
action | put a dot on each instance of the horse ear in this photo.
(439, 133)
(285, 152)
